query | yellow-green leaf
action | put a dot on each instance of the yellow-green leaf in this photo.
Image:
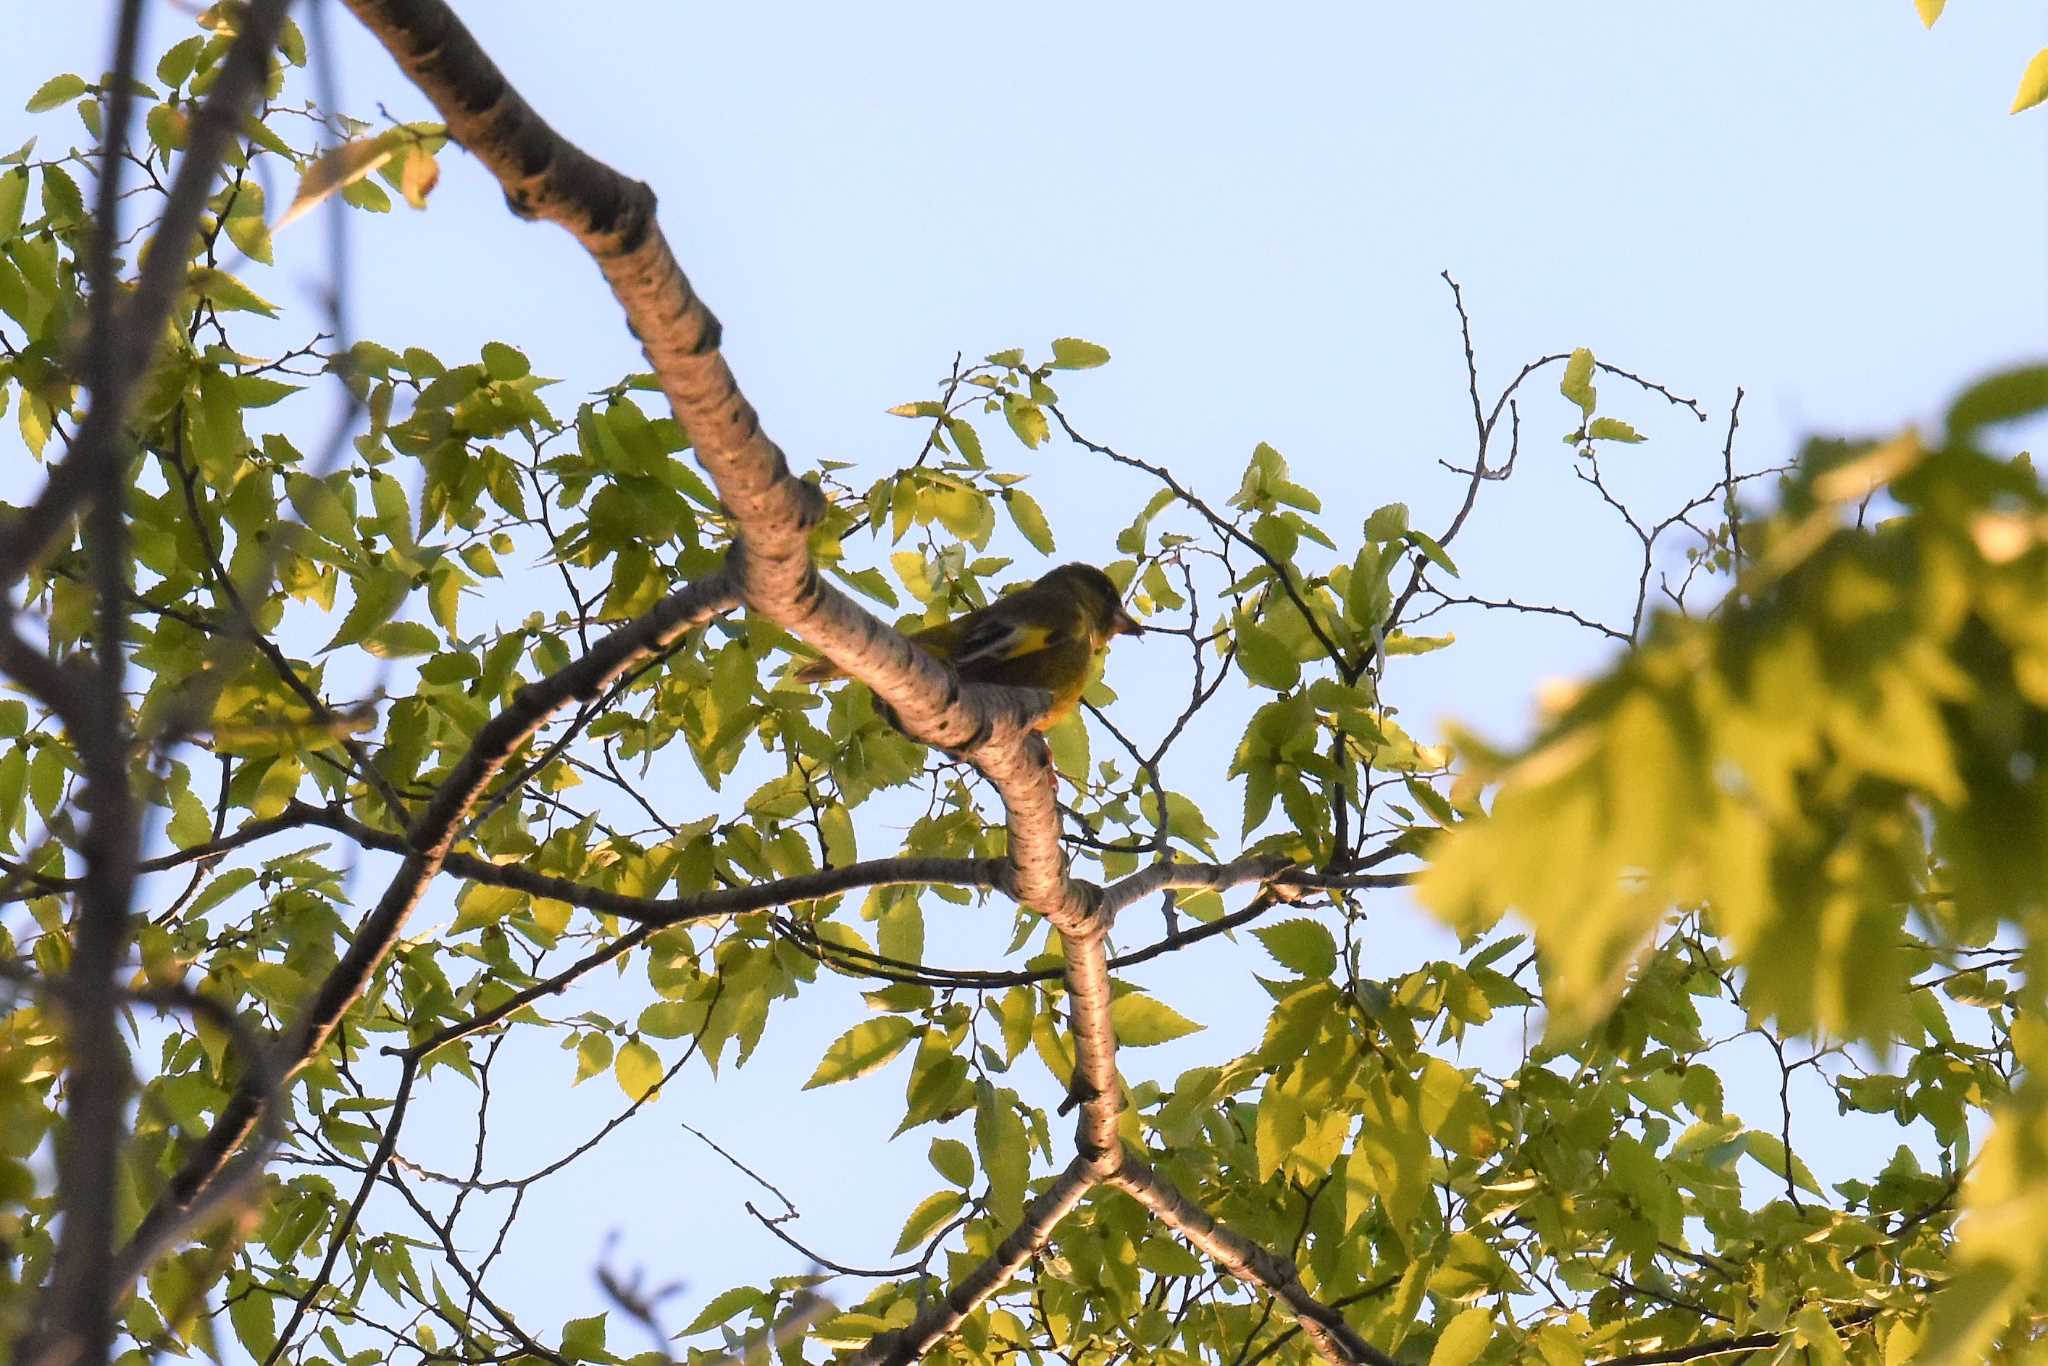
(1463, 1339)
(333, 171)
(55, 91)
(1265, 660)
(1026, 419)
(862, 1049)
(2033, 83)
(1142, 1021)
(1578, 381)
(931, 1213)
(1030, 519)
(1071, 353)
(638, 1070)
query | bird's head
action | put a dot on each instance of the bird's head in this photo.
(1098, 592)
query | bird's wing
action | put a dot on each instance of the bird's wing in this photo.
(990, 639)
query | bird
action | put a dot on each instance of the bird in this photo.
(1044, 636)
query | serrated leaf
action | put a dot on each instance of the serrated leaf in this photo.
(593, 1055)
(253, 1311)
(862, 1049)
(1577, 384)
(638, 1069)
(1432, 551)
(244, 223)
(583, 1339)
(506, 362)
(56, 91)
(13, 198)
(1387, 522)
(1026, 419)
(334, 171)
(1305, 946)
(378, 594)
(223, 290)
(1612, 429)
(1463, 1339)
(1265, 660)
(723, 1306)
(1030, 519)
(951, 1159)
(1005, 1152)
(1142, 1021)
(1769, 1150)
(930, 1215)
(1071, 353)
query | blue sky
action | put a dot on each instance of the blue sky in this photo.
(1826, 205)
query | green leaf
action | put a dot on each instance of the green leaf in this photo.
(1387, 523)
(931, 1214)
(1026, 419)
(1005, 1151)
(176, 64)
(1578, 381)
(56, 91)
(723, 1306)
(593, 1055)
(1463, 1339)
(2004, 397)
(2033, 83)
(1142, 1021)
(484, 903)
(951, 1159)
(223, 290)
(967, 439)
(13, 197)
(1265, 660)
(638, 1070)
(583, 1339)
(322, 505)
(334, 171)
(1305, 946)
(245, 225)
(1071, 353)
(504, 362)
(862, 1049)
(1030, 519)
(1769, 1149)
(378, 594)
(253, 1311)
(1612, 429)
(62, 202)
(1431, 551)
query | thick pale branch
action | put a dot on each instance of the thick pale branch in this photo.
(544, 176)
(1333, 1339)
(428, 843)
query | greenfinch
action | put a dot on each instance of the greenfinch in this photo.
(1044, 636)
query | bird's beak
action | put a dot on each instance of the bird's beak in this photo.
(1124, 624)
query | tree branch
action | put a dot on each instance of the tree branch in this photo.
(426, 849)
(1333, 1339)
